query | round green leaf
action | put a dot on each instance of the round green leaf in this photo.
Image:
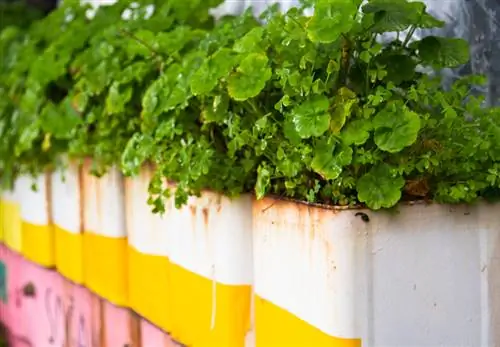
(219, 65)
(443, 52)
(396, 127)
(250, 77)
(356, 132)
(311, 118)
(329, 161)
(396, 15)
(331, 19)
(380, 188)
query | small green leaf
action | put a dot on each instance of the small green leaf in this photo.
(356, 132)
(331, 19)
(250, 77)
(250, 42)
(311, 118)
(117, 99)
(290, 132)
(263, 182)
(396, 127)
(138, 149)
(329, 161)
(380, 187)
(442, 52)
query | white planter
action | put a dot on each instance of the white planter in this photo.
(426, 276)
(210, 252)
(66, 198)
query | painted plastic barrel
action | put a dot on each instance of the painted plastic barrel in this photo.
(67, 212)
(105, 242)
(37, 231)
(211, 271)
(148, 262)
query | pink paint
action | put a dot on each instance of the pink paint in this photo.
(44, 309)
(31, 319)
(56, 310)
(154, 337)
(79, 314)
(117, 323)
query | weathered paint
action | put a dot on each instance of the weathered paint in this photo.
(148, 263)
(37, 232)
(210, 250)
(105, 243)
(427, 274)
(11, 218)
(67, 220)
(151, 336)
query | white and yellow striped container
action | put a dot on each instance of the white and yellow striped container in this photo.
(304, 293)
(66, 200)
(11, 219)
(426, 275)
(148, 262)
(105, 242)
(210, 249)
(37, 231)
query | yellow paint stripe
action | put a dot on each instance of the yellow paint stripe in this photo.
(12, 225)
(69, 254)
(38, 243)
(276, 327)
(105, 266)
(192, 310)
(149, 287)
(1, 222)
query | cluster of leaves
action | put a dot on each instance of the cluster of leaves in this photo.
(313, 108)
(73, 82)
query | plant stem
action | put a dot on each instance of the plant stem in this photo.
(409, 35)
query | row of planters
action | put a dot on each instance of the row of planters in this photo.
(313, 116)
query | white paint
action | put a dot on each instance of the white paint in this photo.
(428, 276)
(104, 204)
(147, 232)
(34, 203)
(212, 237)
(65, 199)
(12, 196)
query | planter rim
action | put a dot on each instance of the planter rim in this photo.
(273, 198)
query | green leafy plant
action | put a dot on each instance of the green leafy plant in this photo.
(314, 108)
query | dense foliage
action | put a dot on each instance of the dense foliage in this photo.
(314, 108)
